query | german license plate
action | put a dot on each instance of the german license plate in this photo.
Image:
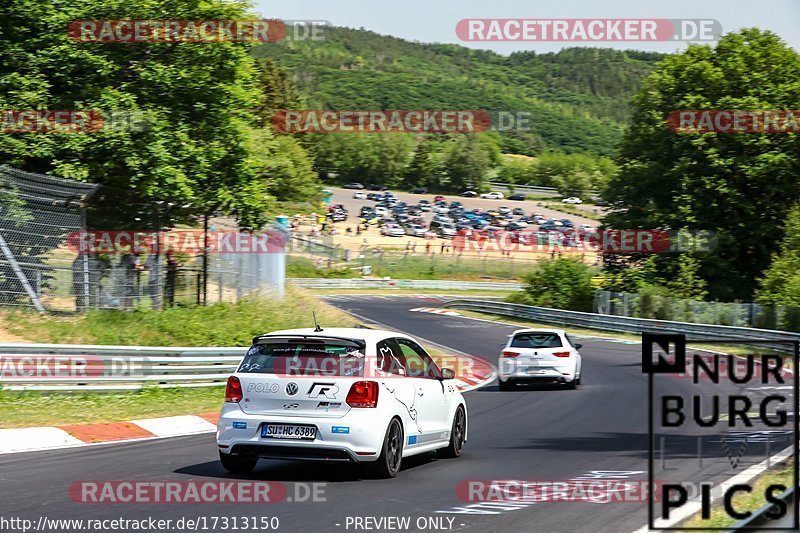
(288, 431)
(534, 370)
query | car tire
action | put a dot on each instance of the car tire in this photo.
(505, 385)
(238, 464)
(391, 457)
(572, 385)
(458, 433)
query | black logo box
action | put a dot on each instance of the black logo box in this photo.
(676, 344)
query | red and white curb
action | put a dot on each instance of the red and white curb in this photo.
(69, 436)
(435, 311)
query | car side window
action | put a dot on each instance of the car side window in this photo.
(418, 362)
(390, 357)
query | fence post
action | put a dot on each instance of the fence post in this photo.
(219, 278)
(239, 270)
(85, 254)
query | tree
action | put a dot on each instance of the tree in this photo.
(366, 157)
(564, 283)
(277, 91)
(193, 104)
(421, 172)
(781, 282)
(736, 185)
(467, 161)
(283, 165)
(515, 170)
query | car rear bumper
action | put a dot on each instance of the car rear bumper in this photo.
(354, 437)
(303, 453)
(564, 373)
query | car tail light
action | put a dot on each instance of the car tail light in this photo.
(363, 394)
(510, 354)
(233, 390)
(562, 354)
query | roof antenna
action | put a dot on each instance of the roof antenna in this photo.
(317, 329)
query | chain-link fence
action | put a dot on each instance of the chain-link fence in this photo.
(67, 246)
(657, 306)
(419, 259)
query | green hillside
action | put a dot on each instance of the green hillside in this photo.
(578, 97)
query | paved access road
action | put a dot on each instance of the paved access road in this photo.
(541, 434)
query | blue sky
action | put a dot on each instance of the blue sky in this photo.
(435, 20)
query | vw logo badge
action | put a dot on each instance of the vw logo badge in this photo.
(291, 389)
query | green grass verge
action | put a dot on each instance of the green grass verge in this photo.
(436, 266)
(27, 409)
(223, 324)
(745, 501)
(220, 324)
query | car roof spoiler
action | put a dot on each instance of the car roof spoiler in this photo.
(263, 339)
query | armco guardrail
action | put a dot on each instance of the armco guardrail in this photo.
(358, 283)
(623, 324)
(532, 189)
(78, 368)
(68, 368)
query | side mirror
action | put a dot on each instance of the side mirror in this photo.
(578, 346)
(448, 374)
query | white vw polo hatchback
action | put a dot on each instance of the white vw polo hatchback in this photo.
(350, 395)
(540, 356)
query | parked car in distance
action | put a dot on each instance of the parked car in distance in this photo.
(494, 195)
(517, 196)
(444, 229)
(358, 195)
(354, 185)
(503, 210)
(374, 197)
(518, 211)
(419, 190)
(424, 205)
(392, 230)
(376, 187)
(572, 200)
(469, 194)
(415, 230)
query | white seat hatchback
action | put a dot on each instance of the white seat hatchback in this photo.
(539, 356)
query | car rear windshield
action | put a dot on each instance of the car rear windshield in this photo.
(304, 357)
(536, 340)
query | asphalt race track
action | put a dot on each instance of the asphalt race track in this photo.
(542, 433)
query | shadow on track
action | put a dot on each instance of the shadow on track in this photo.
(305, 471)
(528, 387)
